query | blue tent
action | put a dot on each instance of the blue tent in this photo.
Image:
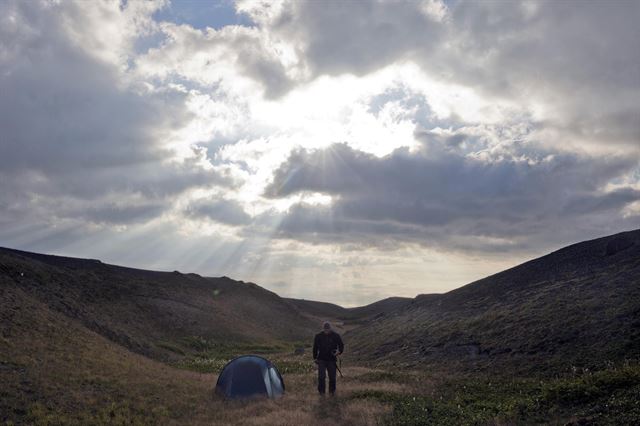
(249, 376)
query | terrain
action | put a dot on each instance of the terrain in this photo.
(578, 307)
(147, 312)
(348, 318)
(555, 340)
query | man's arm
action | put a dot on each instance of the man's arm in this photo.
(340, 344)
(315, 347)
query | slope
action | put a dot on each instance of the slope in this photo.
(157, 314)
(324, 310)
(576, 307)
(54, 370)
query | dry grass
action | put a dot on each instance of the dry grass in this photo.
(301, 405)
(54, 371)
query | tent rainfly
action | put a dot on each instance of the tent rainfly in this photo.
(249, 376)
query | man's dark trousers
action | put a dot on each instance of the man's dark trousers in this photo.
(323, 368)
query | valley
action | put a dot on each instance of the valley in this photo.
(555, 340)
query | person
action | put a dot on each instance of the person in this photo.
(326, 346)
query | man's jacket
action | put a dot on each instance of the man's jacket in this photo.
(325, 344)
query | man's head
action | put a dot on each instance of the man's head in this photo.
(326, 327)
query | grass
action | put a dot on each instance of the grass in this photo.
(211, 357)
(54, 370)
(116, 413)
(102, 383)
(402, 397)
(171, 347)
(610, 396)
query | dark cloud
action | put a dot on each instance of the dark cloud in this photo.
(74, 130)
(113, 214)
(85, 126)
(357, 36)
(257, 64)
(219, 210)
(62, 108)
(583, 62)
(592, 203)
(437, 194)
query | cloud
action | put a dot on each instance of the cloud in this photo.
(356, 37)
(64, 108)
(579, 64)
(271, 142)
(219, 210)
(74, 128)
(122, 214)
(231, 59)
(440, 195)
(575, 69)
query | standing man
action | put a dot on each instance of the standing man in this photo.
(326, 346)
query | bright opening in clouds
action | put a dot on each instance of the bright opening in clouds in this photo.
(340, 151)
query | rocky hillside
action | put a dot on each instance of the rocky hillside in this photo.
(578, 306)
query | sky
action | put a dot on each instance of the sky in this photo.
(343, 151)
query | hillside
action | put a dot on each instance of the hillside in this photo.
(56, 371)
(555, 340)
(578, 306)
(324, 310)
(319, 310)
(156, 314)
(82, 342)
(379, 308)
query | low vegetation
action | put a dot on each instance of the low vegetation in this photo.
(86, 343)
(211, 357)
(104, 384)
(605, 397)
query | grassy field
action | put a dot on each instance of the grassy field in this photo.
(405, 397)
(145, 392)
(366, 397)
(55, 371)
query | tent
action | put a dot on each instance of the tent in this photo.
(249, 376)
